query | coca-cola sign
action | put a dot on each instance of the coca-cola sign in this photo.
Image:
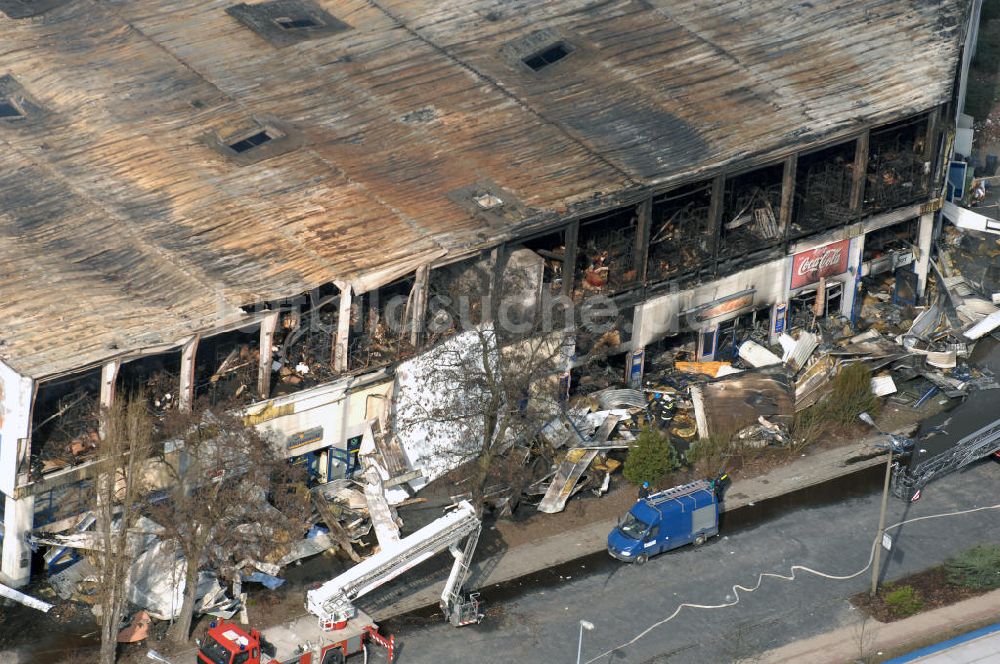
(809, 266)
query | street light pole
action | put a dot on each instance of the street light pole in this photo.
(584, 625)
(876, 563)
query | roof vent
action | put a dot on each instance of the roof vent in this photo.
(488, 201)
(547, 56)
(286, 22)
(254, 141)
(250, 142)
(29, 8)
(9, 109)
(15, 104)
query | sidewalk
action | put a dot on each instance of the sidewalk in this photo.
(891, 639)
(565, 546)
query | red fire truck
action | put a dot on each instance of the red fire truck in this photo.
(228, 643)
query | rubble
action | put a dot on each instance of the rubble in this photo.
(137, 629)
(26, 600)
(726, 406)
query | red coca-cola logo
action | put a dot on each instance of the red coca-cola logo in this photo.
(827, 261)
(828, 258)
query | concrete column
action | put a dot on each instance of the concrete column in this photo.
(925, 232)
(343, 330)
(185, 392)
(851, 285)
(109, 375)
(18, 519)
(267, 327)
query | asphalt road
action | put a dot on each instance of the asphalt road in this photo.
(541, 625)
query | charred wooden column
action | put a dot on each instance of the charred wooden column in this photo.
(185, 393)
(644, 214)
(343, 333)
(267, 327)
(930, 144)
(860, 172)
(569, 257)
(788, 193)
(498, 262)
(715, 212)
(418, 305)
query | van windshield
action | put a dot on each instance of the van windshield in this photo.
(633, 527)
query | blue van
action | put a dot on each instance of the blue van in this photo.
(686, 514)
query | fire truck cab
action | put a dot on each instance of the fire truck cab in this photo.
(228, 643)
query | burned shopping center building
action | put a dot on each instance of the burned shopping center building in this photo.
(274, 203)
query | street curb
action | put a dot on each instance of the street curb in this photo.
(590, 539)
(899, 637)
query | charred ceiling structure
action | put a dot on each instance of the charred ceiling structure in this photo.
(264, 201)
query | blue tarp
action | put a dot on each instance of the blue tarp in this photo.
(266, 580)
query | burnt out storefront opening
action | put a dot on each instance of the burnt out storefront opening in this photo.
(750, 326)
(750, 212)
(823, 299)
(155, 378)
(64, 422)
(552, 249)
(680, 238)
(887, 267)
(380, 326)
(823, 189)
(456, 297)
(604, 328)
(889, 241)
(898, 170)
(226, 367)
(303, 341)
(606, 256)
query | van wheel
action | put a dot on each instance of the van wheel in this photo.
(641, 558)
(699, 540)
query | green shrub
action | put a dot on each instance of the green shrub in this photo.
(850, 395)
(709, 450)
(978, 567)
(650, 458)
(903, 601)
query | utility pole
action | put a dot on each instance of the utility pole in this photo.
(876, 563)
(584, 625)
(881, 523)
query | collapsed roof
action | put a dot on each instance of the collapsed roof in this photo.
(166, 163)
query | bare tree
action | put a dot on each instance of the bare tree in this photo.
(120, 489)
(228, 498)
(865, 632)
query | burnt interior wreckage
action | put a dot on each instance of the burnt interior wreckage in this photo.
(273, 207)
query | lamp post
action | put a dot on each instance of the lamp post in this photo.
(876, 563)
(584, 625)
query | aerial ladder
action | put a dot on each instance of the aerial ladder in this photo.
(458, 531)
(906, 481)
